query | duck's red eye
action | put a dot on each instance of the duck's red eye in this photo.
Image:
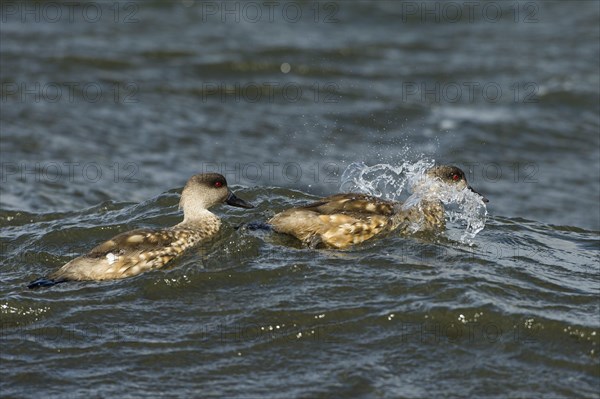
(218, 184)
(455, 177)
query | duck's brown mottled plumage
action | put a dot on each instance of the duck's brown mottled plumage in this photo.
(342, 220)
(337, 221)
(137, 251)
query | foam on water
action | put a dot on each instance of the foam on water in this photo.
(409, 182)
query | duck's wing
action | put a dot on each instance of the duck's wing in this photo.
(338, 230)
(337, 221)
(352, 204)
(140, 240)
(128, 254)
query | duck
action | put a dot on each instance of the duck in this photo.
(134, 252)
(342, 220)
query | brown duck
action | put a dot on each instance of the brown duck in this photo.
(137, 251)
(342, 220)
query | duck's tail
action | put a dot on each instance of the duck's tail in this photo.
(44, 282)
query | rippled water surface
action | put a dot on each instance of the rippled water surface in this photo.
(105, 116)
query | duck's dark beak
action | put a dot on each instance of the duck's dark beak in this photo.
(482, 197)
(235, 201)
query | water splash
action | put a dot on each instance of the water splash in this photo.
(409, 183)
(382, 180)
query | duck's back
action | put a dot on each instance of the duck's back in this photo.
(337, 221)
(352, 203)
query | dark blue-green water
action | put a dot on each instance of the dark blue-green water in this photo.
(108, 108)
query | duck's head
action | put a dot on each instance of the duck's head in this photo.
(453, 176)
(205, 190)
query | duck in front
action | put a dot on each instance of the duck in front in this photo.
(137, 251)
(342, 220)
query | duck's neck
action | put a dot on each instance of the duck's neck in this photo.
(425, 215)
(194, 217)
